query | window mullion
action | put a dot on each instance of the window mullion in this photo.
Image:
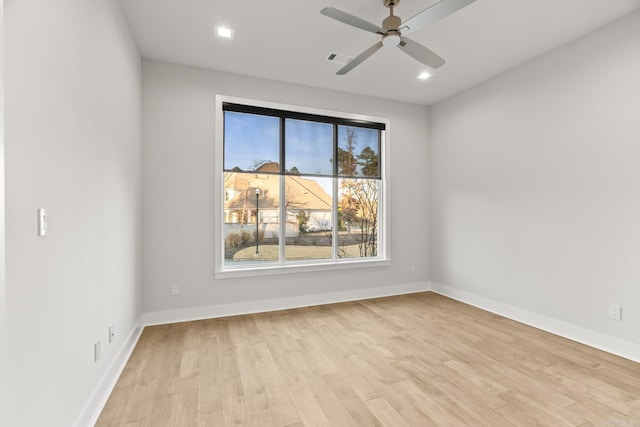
(335, 219)
(283, 220)
(334, 209)
(283, 197)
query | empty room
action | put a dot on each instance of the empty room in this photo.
(316, 213)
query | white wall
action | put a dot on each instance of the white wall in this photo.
(178, 197)
(4, 404)
(535, 183)
(73, 147)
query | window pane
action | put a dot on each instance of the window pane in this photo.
(358, 217)
(308, 147)
(309, 218)
(358, 152)
(250, 141)
(244, 215)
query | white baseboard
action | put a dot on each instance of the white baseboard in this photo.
(91, 411)
(94, 406)
(249, 307)
(99, 398)
(627, 349)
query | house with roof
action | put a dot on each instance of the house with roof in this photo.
(242, 207)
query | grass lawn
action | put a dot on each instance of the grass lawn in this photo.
(270, 252)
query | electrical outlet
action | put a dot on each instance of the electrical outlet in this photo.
(175, 290)
(615, 312)
(412, 269)
(112, 333)
(96, 351)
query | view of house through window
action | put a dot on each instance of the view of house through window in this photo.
(299, 188)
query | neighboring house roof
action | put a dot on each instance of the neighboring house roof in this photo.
(302, 193)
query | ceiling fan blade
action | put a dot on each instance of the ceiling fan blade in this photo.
(433, 13)
(349, 19)
(359, 59)
(420, 53)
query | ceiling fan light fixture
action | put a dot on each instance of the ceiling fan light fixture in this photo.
(391, 39)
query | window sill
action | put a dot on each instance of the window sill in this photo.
(299, 268)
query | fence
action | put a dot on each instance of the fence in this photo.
(270, 229)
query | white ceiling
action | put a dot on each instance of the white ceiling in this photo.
(288, 40)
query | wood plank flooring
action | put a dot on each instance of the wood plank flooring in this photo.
(412, 360)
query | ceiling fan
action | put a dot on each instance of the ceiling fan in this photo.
(393, 31)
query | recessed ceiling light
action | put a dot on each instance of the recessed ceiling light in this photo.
(224, 32)
(424, 75)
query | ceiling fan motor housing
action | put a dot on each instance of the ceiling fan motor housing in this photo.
(391, 23)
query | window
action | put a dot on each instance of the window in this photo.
(298, 188)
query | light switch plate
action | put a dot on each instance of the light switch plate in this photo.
(42, 222)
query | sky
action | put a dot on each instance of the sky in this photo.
(251, 139)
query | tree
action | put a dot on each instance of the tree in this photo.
(323, 225)
(359, 197)
(362, 197)
(348, 204)
(303, 219)
(347, 162)
(368, 161)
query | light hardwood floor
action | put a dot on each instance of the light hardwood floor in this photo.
(413, 360)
